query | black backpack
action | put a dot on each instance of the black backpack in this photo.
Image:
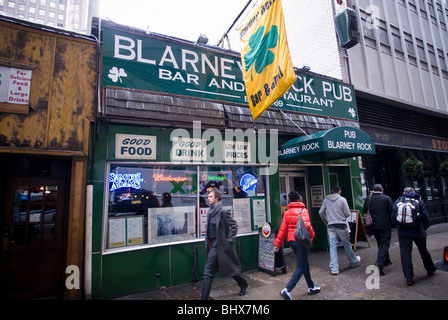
(301, 233)
(407, 214)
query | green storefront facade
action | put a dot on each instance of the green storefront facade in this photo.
(173, 123)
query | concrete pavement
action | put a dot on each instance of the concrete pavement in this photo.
(350, 284)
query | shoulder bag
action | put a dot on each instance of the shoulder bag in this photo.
(301, 233)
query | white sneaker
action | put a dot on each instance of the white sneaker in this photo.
(355, 264)
(314, 290)
(334, 272)
(285, 294)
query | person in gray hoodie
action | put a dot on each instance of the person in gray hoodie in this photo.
(334, 212)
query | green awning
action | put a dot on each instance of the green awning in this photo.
(332, 144)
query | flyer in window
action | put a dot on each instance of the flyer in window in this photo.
(258, 212)
(171, 224)
(203, 221)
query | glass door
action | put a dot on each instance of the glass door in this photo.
(290, 182)
(32, 258)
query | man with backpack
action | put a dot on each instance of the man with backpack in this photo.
(410, 216)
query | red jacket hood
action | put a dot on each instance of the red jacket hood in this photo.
(289, 222)
(293, 205)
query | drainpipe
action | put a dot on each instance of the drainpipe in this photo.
(88, 244)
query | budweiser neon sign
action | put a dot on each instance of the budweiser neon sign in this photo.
(161, 177)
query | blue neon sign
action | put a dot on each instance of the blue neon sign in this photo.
(248, 182)
(127, 180)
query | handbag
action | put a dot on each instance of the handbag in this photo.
(368, 217)
(301, 233)
(368, 221)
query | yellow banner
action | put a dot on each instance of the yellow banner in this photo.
(267, 66)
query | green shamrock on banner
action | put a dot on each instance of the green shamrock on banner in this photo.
(260, 56)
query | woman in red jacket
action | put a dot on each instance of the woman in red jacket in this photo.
(296, 208)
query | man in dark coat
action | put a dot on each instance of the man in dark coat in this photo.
(380, 207)
(219, 241)
(416, 234)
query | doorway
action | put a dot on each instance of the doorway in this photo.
(33, 223)
(290, 182)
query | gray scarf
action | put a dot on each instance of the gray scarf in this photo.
(213, 213)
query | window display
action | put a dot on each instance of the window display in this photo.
(158, 204)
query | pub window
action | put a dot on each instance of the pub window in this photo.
(444, 187)
(240, 187)
(163, 204)
(414, 182)
(431, 187)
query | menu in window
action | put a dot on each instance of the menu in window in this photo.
(117, 232)
(134, 230)
(241, 214)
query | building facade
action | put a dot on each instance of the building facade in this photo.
(400, 74)
(174, 122)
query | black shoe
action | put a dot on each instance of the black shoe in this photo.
(388, 263)
(431, 271)
(243, 291)
(410, 281)
(381, 270)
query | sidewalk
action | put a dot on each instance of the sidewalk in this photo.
(350, 284)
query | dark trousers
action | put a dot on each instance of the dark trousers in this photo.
(211, 267)
(302, 268)
(406, 255)
(382, 237)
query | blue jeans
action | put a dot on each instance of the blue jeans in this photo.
(341, 232)
(303, 266)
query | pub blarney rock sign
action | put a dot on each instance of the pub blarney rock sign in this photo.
(158, 64)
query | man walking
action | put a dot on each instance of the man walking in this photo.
(380, 207)
(219, 241)
(334, 212)
(413, 233)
